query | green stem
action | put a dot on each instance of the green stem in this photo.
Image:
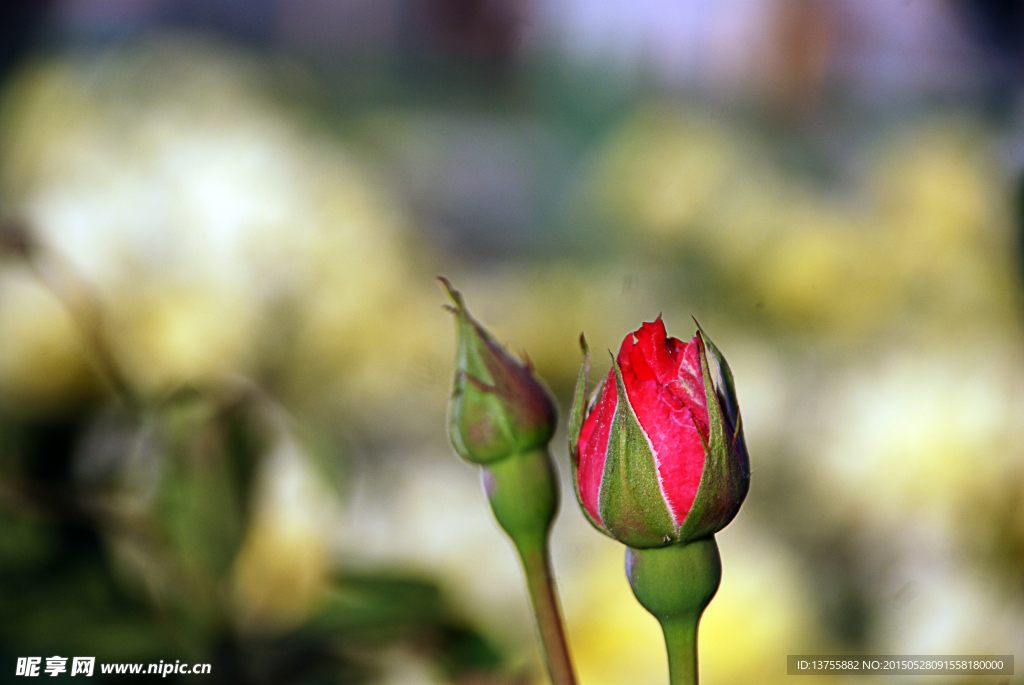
(523, 491)
(681, 644)
(544, 597)
(675, 584)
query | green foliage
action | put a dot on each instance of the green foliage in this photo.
(169, 489)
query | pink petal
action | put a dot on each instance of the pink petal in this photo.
(593, 447)
(665, 387)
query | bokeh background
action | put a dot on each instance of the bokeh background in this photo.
(224, 365)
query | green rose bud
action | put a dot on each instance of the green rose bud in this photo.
(498, 406)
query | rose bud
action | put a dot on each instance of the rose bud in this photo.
(501, 416)
(658, 453)
(498, 406)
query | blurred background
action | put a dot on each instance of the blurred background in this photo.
(224, 365)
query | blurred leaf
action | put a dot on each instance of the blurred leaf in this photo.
(376, 609)
(379, 605)
(200, 506)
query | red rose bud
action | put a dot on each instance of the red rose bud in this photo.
(498, 406)
(658, 453)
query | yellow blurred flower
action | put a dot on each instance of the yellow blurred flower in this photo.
(44, 364)
(172, 333)
(201, 209)
(282, 568)
(825, 273)
(924, 232)
(665, 167)
(921, 435)
(940, 183)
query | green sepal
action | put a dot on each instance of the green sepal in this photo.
(726, 475)
(727, 390)
(579, 402)
(473, 405)
(631, 503)
(576, 417)
(727, 394)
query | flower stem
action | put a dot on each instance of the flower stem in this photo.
(523, 491)
(544, 597)
(681, 644)
(675, 584)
